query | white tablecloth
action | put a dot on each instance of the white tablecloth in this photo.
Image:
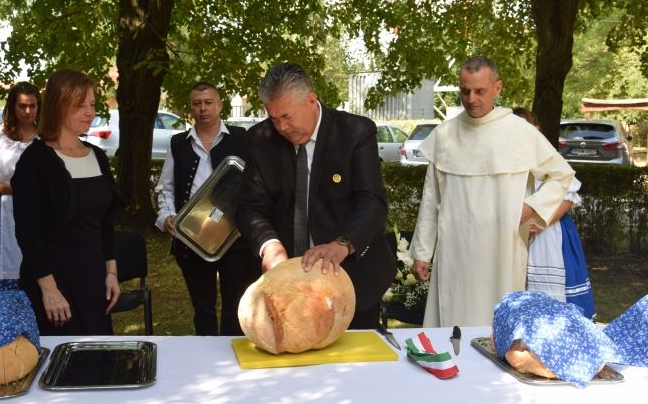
(205, 370)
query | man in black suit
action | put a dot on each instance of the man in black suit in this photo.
(190, 160)
(347, 207)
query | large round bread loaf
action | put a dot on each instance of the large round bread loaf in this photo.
(523, 360)
(17, 359)
(289, 310)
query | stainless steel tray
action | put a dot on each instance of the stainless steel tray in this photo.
(21, 386)
(482, 344)
(100, 365)
(206, 223)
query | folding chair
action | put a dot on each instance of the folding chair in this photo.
(132, 263)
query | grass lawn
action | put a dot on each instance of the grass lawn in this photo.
(618, 281)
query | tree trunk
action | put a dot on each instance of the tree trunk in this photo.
(142, 62)
(554, 21)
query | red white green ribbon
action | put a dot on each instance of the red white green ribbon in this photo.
(420, 350)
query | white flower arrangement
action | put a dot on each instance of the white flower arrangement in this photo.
(405, 289)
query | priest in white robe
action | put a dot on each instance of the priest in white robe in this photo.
(478, 201)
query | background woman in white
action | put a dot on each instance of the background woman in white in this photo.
(19, 126)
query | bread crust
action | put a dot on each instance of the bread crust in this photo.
(17, 359)
(523, 360)
(290, 310)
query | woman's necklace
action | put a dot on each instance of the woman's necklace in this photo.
(27, 138)
(69, 149)
(207, 143)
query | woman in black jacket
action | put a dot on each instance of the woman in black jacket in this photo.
(65, 206)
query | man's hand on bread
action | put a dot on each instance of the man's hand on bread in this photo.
(274, 253)
(332, 255)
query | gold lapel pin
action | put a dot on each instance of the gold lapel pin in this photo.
(337, 178)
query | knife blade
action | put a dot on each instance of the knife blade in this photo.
(455, 339)
(388, 336)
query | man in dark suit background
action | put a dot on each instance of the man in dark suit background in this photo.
(347, 206)
(190, 160)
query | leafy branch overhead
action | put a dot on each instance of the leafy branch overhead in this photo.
(162, 48)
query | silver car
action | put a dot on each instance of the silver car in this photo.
(594, 141)
(390, 137)
(105, 132)
(243, 122)
(410, 153)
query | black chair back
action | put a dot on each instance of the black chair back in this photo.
(132, 263)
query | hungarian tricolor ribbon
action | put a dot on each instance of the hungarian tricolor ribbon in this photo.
(420, 350)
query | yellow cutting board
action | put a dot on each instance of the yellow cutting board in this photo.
(357, 346)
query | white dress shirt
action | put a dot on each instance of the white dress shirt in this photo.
(310, 151)
(166, 187)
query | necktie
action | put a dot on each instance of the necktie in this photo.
(300, 227)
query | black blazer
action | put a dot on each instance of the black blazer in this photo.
(347, 196)
(44, 204)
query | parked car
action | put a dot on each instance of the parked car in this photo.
(243, 121)
(105, 132)
(390, 138)
(410, 154)
(594, 141)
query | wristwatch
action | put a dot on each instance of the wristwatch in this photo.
(345, 242)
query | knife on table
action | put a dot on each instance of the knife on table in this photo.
(388, 336)
(456, 339)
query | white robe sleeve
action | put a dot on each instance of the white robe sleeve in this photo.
(424, 239)
(556, 175)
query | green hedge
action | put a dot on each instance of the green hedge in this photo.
(614, 210)
(611, 219)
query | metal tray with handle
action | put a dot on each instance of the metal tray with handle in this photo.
(206, 223)
(21, 386)
(482, 345)
(100, 365)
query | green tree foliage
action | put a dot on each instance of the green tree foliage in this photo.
(169, 45)
(428, 37)
(51, 34)
(603, 73)
(531, 41)
(166, 45)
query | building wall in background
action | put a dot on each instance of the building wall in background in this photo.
(418, 104)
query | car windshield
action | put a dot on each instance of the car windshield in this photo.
(242, 123)
(587, 131)
(98, 121)
(166, 121)
(420, 132)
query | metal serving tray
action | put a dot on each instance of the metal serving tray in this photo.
(206, 223)
(21, 386)
(482, 344)
(100, 365)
